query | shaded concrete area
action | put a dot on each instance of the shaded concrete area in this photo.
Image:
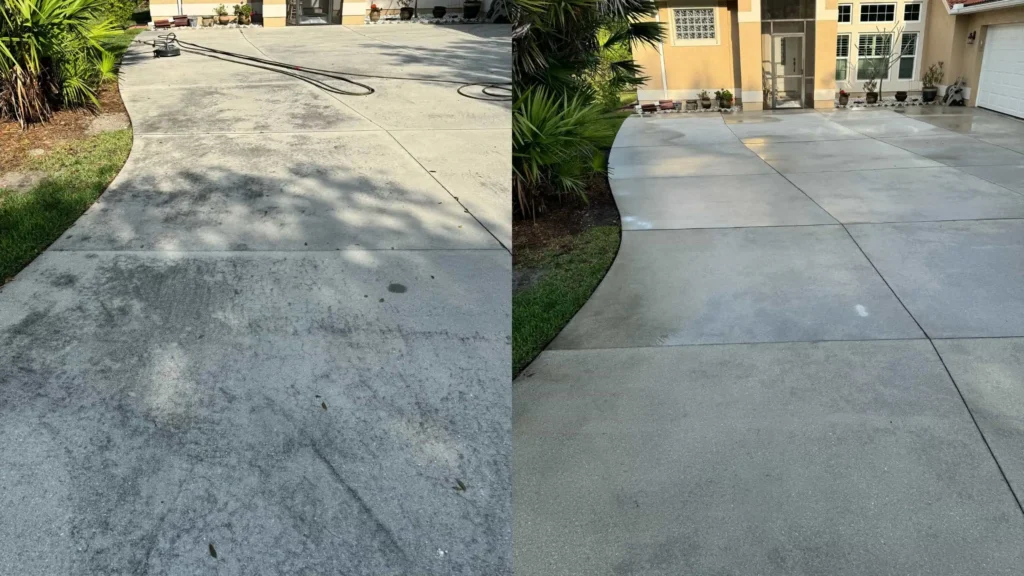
(754, 388)
(278, 336)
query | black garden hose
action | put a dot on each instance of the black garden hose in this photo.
(491, 91)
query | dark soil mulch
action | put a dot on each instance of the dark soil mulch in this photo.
(65, 126)
(555, 229)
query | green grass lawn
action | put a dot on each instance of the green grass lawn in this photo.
(76, 174)
(567, 278)
(567, 281)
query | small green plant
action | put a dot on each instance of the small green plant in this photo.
(724, 98)
(556, 142)
(704, 95)
(933, 77)
(220, 10)
(243, 12)
(871, 85)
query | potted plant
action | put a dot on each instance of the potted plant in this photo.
(222, 14)
(869, 91)
(930, 82)
(439, 11)
(724, 98)
(470, 9)
(374, 13)
(705, 99)
(243, 13)
(406, 11)
(844, 97)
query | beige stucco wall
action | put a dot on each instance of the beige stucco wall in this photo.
(939, 25)
(824, 63)
(691, 68)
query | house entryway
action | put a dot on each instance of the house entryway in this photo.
(788, 64)
(313, 12)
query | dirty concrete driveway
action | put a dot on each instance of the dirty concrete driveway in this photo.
(282, 335)
(806, 358)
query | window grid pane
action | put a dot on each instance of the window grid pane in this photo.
(694, 23)
(908, 46)
(842, 68)
(845, 10)
(908, 50)
(877, 12)
(865, 67)
(907, 68)
(912, 12)
(842, 46)
(873, 44)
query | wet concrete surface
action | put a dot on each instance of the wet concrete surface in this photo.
(752, 391)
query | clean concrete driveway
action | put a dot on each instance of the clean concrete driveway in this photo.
(283, 332)
(805, 359)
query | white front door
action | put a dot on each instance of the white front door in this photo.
(1001, 86)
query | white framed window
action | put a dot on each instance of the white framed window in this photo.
(845, 13)
(872, 50)
(694, 26)
(842, 57)
(877, 12)
(911, 12)
(908, 56)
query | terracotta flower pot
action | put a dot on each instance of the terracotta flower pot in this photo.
(405, 13)
(440, 11)
(705, 103)
(871, 97)
(844, 99)
(901, 96)
(929, 94)
(224, 19)
(374, 15)
(470, 9)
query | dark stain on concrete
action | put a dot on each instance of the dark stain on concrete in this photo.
(64, 280)
(396, 288)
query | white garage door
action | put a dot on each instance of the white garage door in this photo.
(1001, 87)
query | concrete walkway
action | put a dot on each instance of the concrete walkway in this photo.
(282, 335)
(805, 359)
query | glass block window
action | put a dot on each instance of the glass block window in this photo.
(877, 12)
(911, 12)
(872, 54)
(842, 57)
(694, 23)
(845, 12)
(908, 55)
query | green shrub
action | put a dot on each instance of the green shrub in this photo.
(579, 48)
(121, 12)
(555, 144)
(51, 55)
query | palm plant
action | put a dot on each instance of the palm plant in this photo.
(554, 144)
(51, 54)
(562, 50)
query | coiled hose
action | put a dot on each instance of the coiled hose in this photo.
(489, 91)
